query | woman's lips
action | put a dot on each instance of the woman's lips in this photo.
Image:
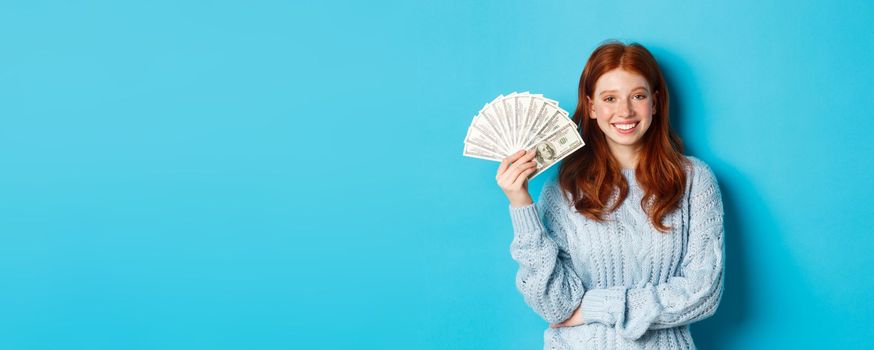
(625, 132)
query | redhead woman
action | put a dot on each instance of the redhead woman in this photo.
(624, 249)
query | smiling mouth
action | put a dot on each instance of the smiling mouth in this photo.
(625, 128)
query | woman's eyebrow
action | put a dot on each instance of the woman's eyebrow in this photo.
(637, 88)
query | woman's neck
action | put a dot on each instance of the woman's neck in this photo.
(627, 156)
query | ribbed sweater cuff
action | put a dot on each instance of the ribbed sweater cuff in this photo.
(603, 305)
(525, 219)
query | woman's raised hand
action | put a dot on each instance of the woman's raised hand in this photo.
(513, 176)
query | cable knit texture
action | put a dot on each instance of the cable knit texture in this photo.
(638, 288)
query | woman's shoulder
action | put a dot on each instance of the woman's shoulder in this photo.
(701, 175)
(696, 165)
(553, 193)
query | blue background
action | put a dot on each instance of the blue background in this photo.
(276, 175)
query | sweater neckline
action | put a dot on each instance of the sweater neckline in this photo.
(628, 171)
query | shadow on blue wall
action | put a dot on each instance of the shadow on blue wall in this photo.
(716, 331)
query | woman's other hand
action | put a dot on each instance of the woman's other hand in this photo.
(513, 177)
(576, 319)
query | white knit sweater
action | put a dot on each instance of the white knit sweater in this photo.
(638, 288)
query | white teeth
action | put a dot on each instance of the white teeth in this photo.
(625, 126)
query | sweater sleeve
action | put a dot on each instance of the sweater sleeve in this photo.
(693, 295)
(545, 278)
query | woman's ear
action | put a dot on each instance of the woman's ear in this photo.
(591, 108)
(654, 103)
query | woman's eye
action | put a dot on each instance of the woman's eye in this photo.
(640, 97)
(609, 99)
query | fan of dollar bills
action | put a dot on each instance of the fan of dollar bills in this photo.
(522, 121)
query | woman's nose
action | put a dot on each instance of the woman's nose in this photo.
(625, 108)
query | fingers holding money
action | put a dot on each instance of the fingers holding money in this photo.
(513, 176)
(529, 169)
(506, 162)
(511, 171)
(521, 120)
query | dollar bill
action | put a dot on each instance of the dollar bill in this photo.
(518, 121)
(556, 147)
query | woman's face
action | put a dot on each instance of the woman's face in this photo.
(622, 99)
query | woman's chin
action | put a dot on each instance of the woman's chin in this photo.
(625, 141)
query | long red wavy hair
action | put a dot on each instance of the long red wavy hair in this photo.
(593, 176)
